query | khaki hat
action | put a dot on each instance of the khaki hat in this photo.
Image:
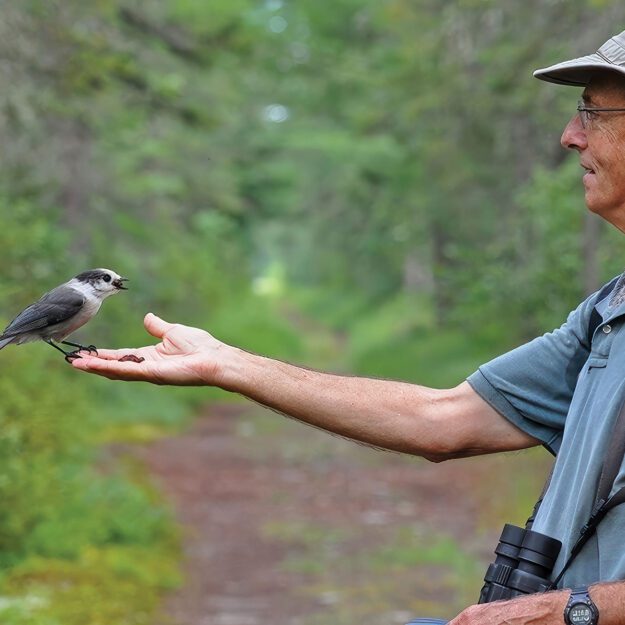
(610, 56)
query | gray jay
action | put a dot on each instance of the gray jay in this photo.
(63, 310)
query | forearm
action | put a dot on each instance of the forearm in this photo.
(387, 414)
(399, 416)
(610, 600)
(547, 608)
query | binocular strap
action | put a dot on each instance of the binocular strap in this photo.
(600, 510)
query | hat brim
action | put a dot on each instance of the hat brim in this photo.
(609, 57)
(577, 72)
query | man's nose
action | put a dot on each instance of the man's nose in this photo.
(574, 135)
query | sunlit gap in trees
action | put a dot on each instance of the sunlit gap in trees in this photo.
(276, 23)
(276, 113)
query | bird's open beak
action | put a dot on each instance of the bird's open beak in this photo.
(119, 284)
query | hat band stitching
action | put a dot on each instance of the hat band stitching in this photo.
(618, 43)
(605, 58)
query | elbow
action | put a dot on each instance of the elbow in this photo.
(458, 423)
(447, 434)
(440, 456)
(436, 459)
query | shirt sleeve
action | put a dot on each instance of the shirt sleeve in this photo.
(532, 385)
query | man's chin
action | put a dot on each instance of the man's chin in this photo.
(593, 207)
(613, 215)
(594, 202)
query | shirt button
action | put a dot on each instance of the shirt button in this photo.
(607, 328)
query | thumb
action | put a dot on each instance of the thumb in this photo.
(156, 326)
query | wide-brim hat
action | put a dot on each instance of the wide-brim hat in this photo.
(578, 72)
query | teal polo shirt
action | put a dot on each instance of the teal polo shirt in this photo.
(567, 393)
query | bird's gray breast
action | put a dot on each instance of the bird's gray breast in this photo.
(89, 308)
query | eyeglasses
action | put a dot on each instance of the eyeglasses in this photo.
(587, 114)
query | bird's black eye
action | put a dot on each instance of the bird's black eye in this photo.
(106, 277)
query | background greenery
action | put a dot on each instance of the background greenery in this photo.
(387, 170)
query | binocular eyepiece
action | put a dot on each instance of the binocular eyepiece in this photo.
(523, 564)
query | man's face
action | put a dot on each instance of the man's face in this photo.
(601, 147)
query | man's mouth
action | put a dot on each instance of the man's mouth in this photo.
(588, 170)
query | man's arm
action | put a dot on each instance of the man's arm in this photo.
(436, 424)
(546, 608)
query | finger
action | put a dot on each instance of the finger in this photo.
(156, 326)
(112, 369)
(109, 354)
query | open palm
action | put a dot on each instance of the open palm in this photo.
(185, 356)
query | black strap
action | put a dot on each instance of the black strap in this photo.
(595, 318)
(530, 521)
(598, 513)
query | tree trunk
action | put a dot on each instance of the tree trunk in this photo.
(591, 235)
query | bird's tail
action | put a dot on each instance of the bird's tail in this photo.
(5, 341)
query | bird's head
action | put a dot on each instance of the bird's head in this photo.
(102, 282)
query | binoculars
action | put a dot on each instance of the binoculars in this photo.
(523, 565)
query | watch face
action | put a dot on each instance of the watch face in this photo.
(580, 614)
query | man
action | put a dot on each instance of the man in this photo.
(558, 390)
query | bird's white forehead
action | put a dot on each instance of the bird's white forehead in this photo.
(105, 270)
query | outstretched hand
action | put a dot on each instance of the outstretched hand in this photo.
(185, 356)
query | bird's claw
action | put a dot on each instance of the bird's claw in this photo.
(92, 349)
(71, 356)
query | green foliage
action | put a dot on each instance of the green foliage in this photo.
(116, 584)
(408, 552)
(40, 431)
(32, 252)
(63, 526)
(440, 359)
(254, 322)
(556, 222)
(99, 511)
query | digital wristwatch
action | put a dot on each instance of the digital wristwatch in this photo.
(581, 610)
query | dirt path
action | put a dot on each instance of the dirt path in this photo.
(284, 525)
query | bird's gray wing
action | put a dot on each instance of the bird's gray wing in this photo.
(54, 307)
